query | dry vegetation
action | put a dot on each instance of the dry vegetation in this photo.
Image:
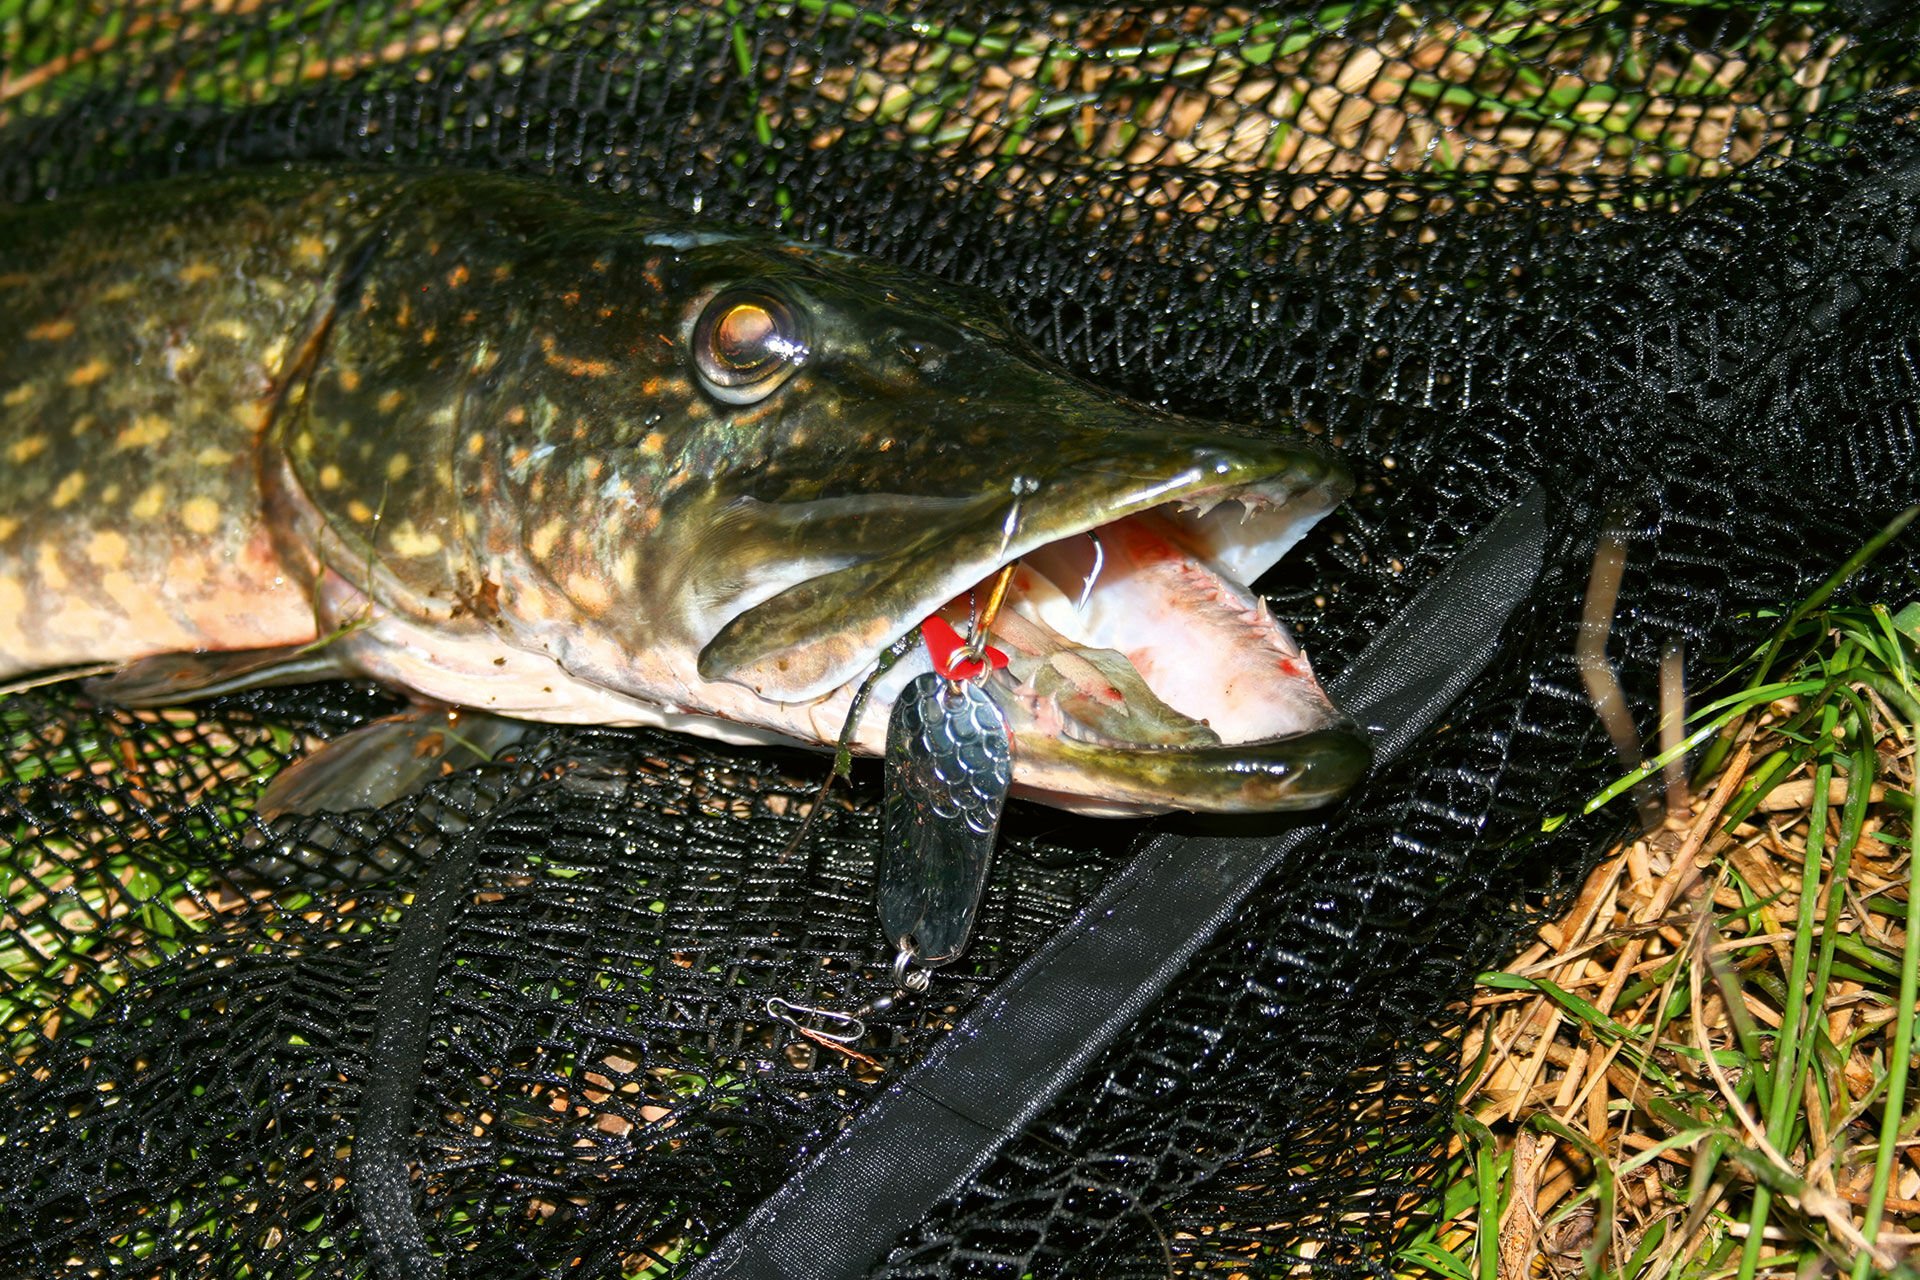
(1701, 1068)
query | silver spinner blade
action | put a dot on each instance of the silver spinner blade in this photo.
(949, 765)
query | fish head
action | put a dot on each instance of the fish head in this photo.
(821, 453)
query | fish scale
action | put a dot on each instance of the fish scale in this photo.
(141, 351)
(548, 455)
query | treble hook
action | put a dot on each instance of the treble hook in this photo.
(1093, 575)
(1012, 524)
(979, 625)
(995, 598)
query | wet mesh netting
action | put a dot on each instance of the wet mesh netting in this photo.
(1657, 257)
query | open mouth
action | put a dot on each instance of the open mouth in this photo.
(1142, 632)
(1144, 673)
(1137, 651)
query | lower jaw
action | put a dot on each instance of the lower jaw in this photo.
(1282, 775)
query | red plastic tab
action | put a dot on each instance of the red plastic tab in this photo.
(943, 642)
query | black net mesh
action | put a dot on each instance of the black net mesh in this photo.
(1658, 257)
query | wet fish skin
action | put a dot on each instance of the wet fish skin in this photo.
(451, 423)
(142, 346)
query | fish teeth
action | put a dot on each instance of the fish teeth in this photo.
(1285, 642)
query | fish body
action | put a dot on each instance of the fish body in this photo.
(550, 457)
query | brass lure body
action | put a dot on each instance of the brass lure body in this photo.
(533, 453)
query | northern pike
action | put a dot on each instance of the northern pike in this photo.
(557, 458)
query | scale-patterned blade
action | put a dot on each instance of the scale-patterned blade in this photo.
(949, 764)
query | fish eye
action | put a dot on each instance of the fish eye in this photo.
(745, 344)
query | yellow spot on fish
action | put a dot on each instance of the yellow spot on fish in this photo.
(312, 248)
(626, 570)
(593, 467)
(147, 429)
(231, 330)
(427, 335)
(329, 477)
(572, 364)
(198, 272)
(201, 515)
(476, 444)
(360, 511)
(276, 352)
(589, 592)
(409, 541)
(119, 291)
(541, 544)
(397, 466)
(213, 456)
(179, 357)
(89, 373)
(654, 445)
(148, 504)
(26, 449)
(9, 525)
(458, 276)
(517, 416)
(107, 549)
(502, 271)
(17, 396)
(51, 331)
(349, 379)
(71, 486)
(53, 575)
(389, 401)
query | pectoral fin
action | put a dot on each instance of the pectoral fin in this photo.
(169, 679)
(386, 760)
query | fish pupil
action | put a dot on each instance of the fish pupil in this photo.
(744, 338)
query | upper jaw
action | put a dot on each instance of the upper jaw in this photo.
(809, 638)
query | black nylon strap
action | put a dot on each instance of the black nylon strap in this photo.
(1037, 1031)
(384, 1139)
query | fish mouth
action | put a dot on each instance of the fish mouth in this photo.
(1143, 672)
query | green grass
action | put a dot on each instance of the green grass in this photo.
(1711, 1078)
